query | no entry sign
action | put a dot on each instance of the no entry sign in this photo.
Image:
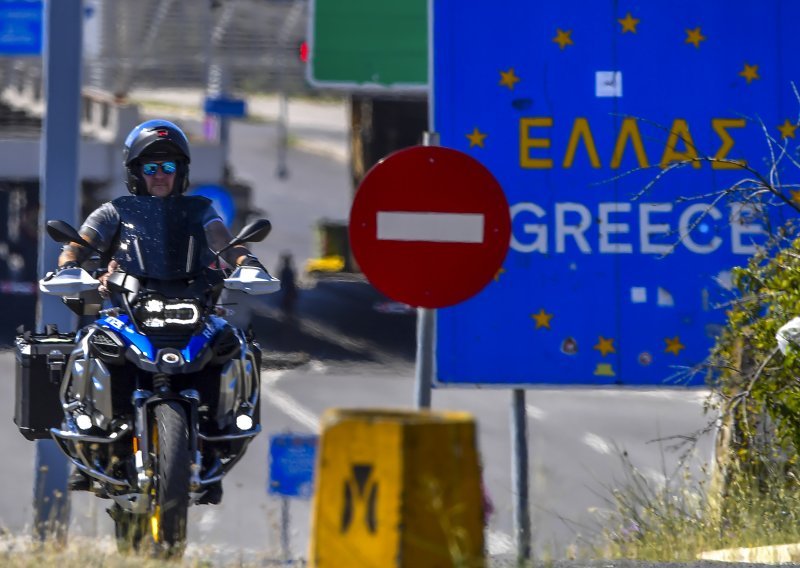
(429, 226)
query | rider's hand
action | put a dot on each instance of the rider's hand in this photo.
(252, 260)
(60, 269)
(68, 264)
(103, 288)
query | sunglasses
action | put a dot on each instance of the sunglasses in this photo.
(151, 168)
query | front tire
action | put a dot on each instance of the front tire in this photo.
(171, 503)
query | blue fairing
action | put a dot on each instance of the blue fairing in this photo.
(122, 325)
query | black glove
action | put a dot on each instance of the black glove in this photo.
(57, 271)
(252, 260)
(68, 264)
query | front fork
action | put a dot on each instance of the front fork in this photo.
(145, 468)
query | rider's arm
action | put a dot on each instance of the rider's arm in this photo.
(98, 230)
(218, 236)
(74, 253)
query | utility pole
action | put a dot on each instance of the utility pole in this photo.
(59, 187)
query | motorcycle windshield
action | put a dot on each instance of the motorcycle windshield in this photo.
(162, 238)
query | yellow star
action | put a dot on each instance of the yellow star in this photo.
(694, 37)
(787, 129)
(629, 23)
(542, 319)
(795, 195)
(500, 271)
(508, 78)
(750, 72)
(563, 38)
(674, 345)
(605, 346)
(476, 138)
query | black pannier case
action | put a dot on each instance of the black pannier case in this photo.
(41, 360)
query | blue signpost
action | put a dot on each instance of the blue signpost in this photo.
(574, 111)
(59, 199)
(291, 465)
(292, 458)
(225, 106)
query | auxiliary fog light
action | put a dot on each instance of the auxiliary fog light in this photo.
(244, 422)
(84, 421)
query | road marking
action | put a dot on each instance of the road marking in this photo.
(287, 404)
(597, 443)
(269, 378)
(430, 227)
(498, 543)
(208, 520)
(321, 331)
(535, 412)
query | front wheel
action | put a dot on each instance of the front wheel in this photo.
(170, 443)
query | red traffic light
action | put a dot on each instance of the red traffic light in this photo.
(304, 52)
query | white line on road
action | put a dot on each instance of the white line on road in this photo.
(292, 408)
(208, 520)
(285, 403)
(430, 227)
(596, 443)
(535, 412)
(498, 543)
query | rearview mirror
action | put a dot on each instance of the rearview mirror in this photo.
(63, 232)
(252, 233)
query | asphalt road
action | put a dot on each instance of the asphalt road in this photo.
(575, 440)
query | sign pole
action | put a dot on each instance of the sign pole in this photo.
(59, 187)
(426, 332)
(285, 552)
(519, 475)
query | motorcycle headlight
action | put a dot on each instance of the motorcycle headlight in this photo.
(155, 312)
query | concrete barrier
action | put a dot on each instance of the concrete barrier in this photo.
(397, 489)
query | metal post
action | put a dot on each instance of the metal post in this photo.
(59, 188)
(426, 324)
(426, 333)
(282, 170)
(286, 552)
(519, 476)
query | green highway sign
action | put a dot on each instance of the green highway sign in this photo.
(363, 45)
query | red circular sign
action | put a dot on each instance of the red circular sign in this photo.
(429, 226)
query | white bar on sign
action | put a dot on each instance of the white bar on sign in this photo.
(430, 227)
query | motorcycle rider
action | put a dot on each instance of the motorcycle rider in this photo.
(156, 158)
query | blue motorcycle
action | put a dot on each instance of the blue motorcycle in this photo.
(160, 395)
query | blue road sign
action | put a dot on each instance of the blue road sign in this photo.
(221, 200)
(21, 28)
(233, 108)
(291, 465)
(575, 107)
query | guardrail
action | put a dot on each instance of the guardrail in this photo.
(104, 117)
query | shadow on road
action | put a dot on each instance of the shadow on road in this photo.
(339, 321)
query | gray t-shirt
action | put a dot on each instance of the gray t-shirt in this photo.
(104, 222)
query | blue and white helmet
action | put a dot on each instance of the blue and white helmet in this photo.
(159, 140)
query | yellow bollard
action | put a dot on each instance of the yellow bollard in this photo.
(397, 489)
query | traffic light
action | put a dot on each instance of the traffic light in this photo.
(304, 51)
